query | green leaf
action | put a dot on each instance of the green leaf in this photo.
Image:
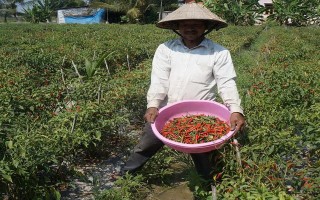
(226, 6)
(98, 135)
(15, 163)
(87, 63)
(7, 177)
(9, 144)
(22, 153)
(271, 150)
(57, 195)
(310, 129)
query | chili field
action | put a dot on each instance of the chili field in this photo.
(72, 91)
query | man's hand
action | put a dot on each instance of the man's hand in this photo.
(237, 122)
(151, 114)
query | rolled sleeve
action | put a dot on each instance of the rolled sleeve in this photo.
(225, 77)
(154, 103)
(159, 86)
(232, 100)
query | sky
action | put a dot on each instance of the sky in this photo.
(27, 5)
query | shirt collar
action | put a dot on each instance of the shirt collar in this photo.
(204, 43)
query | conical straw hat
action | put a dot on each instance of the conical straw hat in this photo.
(191, 11)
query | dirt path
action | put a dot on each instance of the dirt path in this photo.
(98, 175)
(178, 192)
(94, 177)
(101, 175)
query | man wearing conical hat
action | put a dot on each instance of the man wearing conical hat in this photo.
(190, 67)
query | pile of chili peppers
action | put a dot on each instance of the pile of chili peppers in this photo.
(195, 129)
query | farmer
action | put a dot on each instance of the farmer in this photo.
(191, 67)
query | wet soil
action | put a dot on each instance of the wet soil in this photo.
(178, 192)
(100, 174)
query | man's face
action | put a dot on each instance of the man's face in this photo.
(192, 29)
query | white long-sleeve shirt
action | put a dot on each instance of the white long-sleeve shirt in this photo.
(180, 73)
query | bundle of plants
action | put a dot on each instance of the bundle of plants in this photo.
(195, 129)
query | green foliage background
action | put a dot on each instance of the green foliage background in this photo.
(51, 113)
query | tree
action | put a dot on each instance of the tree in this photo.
(238, 12)
(295, 12)
(43, 10)
(135, 11)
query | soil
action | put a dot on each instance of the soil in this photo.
(101, 174)
(178, 192)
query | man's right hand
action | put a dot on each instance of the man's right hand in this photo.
(151, 114)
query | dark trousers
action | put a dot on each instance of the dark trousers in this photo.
(149, 145)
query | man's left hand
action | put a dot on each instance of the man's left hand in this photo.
(237, 122)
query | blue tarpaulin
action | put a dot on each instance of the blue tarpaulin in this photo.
(81, 16)
(91, 19)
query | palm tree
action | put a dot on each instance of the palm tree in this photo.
(113, 5)
(42, 10)
(135, 10)
(295, 12)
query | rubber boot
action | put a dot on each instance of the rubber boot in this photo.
(204, 167)
(203, 164)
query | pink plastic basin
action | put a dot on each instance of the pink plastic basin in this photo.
(183, 108)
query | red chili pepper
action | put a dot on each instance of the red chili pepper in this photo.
(194, 129)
